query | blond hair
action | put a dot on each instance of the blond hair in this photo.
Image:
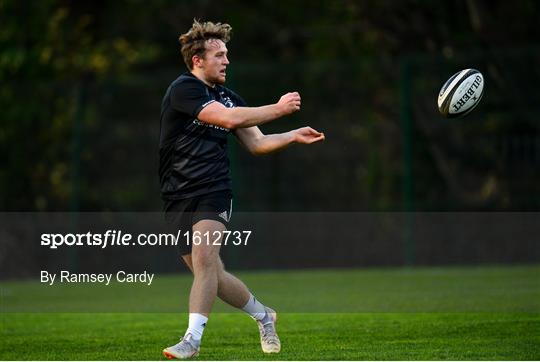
(193, 42)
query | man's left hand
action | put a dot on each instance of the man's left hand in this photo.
(307, 135)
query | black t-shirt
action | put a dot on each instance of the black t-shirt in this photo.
(193, 156)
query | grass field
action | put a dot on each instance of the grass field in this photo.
(488, 313)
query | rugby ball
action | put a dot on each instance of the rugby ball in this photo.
(461, 93)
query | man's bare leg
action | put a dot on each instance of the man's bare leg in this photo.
(205, 264)
(235, 293)
(231, 290)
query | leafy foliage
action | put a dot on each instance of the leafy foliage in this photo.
(63, 64)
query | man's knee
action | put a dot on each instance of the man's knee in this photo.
(204, 259)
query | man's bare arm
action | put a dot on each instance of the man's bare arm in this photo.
(241, 117)
(258, 143)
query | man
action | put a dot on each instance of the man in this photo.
(197, 114)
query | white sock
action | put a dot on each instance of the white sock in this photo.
(254, 308)
(197, 322)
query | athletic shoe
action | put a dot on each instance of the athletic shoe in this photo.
(269, 339)
(184, 349)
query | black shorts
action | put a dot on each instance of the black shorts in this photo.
(183, 214)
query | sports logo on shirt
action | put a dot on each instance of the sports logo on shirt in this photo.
(204, 124)
(226, 101)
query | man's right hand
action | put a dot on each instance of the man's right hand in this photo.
(242, 117)
(289, 103)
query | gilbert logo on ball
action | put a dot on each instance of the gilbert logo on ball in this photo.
(461, 93)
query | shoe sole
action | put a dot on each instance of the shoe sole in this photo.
(171, 356)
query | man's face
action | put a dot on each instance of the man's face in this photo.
(214, 62)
